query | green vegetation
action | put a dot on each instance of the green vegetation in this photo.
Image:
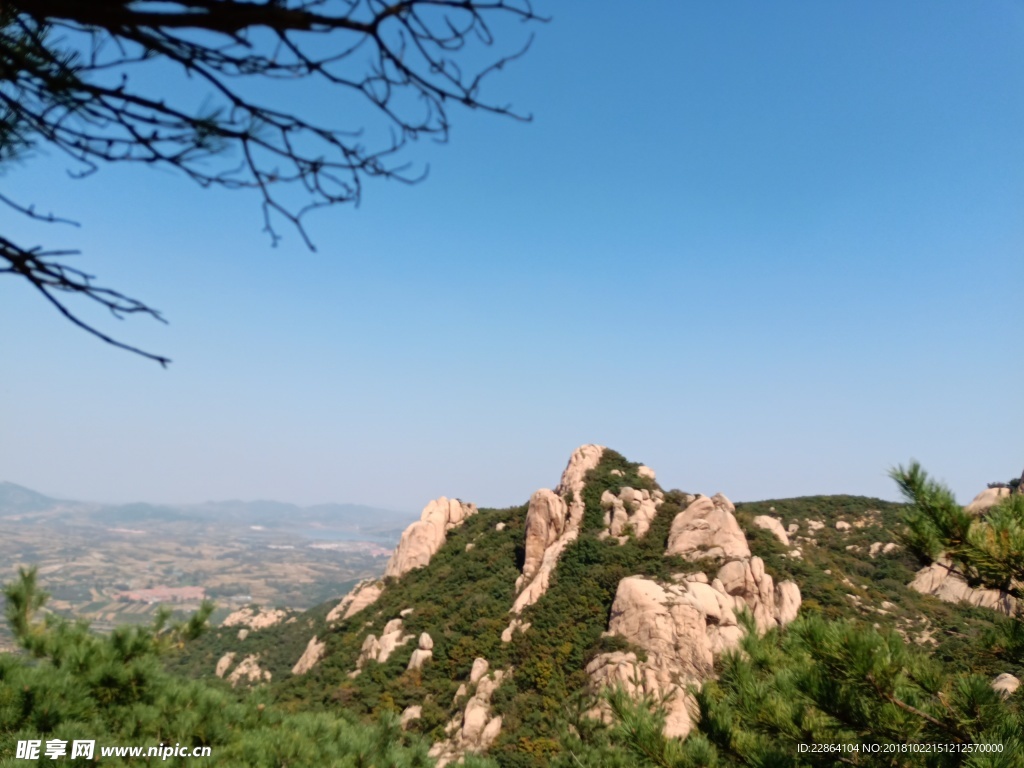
(72, 684)
(839, 566)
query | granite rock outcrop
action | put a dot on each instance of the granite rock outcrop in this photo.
(1005, 685)
(424, 651)
(363, 594)
(474, 729)
(254, 618)
(552, 522)
(943, 581)
(247, 671)
(707, 528)
(423, 538)
(774, 526)
(313, 653)
(986, 499)
(417, 546)
(379, 650)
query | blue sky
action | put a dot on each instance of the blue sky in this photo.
(768, 249)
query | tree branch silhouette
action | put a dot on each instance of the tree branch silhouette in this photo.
(68, 81)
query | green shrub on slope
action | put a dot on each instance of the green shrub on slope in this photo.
(71, 684)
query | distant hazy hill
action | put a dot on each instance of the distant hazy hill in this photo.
(138, 512)
(18, 500)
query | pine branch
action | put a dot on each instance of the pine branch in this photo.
(908, 708)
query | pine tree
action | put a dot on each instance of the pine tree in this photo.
(987, 549)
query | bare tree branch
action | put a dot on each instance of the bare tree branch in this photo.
(49, 276)
(67, 81)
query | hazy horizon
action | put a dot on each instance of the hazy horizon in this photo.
(186, 503)
(241, 499)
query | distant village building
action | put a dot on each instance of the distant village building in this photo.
(163, 595)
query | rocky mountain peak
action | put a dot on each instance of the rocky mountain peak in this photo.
(423, 538)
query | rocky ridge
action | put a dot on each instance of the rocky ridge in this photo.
(552, 523)
(418, 544)
(682, 626)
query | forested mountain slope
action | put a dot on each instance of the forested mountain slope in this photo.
(502, 632)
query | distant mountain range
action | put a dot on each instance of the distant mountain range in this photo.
(16, 500)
